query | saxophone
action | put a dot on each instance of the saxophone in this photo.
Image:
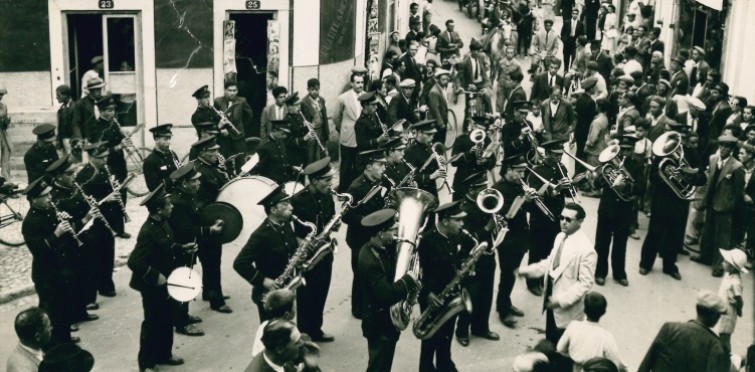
(454, 302)
(290, 279)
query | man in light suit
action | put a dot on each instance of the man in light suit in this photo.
(543, 83)
(544, 42)
(275, 111)
(438, 104)
(559, 120)
(568, 273)
(726, 183)
(34, 331)
(347, 111)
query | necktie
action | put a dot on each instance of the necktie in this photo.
(557, 258)
(552, 80)
(546, 40)
(476, 70)
(573, 28)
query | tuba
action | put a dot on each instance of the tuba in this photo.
(669, 147)
(477, 137)
(454, 301)
(413, 206)
(613, 168)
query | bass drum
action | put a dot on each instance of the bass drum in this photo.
(244, 194)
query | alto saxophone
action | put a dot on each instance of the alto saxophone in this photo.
(290, 278)
(454, 301)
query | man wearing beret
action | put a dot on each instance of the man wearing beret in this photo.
(162, 161)
(314, 110)
(42, 153)
(691, 346)
(151, 262)
(53, 246)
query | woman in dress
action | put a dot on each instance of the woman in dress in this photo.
(611, 31)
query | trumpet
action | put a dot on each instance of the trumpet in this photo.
(538, 201)
(477, 137)
(313, 133)
(94, 207)
(64, 216)
(226, 122)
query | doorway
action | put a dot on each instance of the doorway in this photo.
(251, 62)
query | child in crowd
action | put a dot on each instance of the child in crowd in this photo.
(534, 117)
(643, 150)
(731, 291)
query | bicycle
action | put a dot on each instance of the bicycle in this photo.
(137, 187)
(12, 209)
(452, 129)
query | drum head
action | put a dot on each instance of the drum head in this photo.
(231, 217)
(184, 284)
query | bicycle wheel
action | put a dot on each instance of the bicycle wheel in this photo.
(137, 187)
(12, 214)
(451, 128)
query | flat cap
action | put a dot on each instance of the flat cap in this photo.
(359, 70)
(440, 72)
(727, 139)
(678, 59)
(407, 83)
(95, 60)
(699, 49)
(592, 65)
(711, 301)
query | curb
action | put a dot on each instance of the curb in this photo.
(17, 293)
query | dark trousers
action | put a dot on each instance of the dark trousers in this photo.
(381, 350)
(665, 237)
(310, 299)
(480, 289)
(55, 298)
(543, 233)
(617, 226)
(86, 272)
(210, 253)
(580, 138)
(104, 256)
(435, 352)
(357, 302)
(569, 48)
(552, 332)
(347, 171)
(510, 254)
(716, 235)
(156, 339)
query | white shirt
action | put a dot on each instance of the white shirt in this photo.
(537, 121)
(272, 365)
(631, 66)
(258, 346)
(279, 112)
(39, 354)
(584, 340)
(554, 107)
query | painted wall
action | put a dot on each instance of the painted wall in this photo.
(739, 50)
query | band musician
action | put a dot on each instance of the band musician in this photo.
(274, 163)
(471, 160)
(420, 152)
(396, 168)
(161, 162)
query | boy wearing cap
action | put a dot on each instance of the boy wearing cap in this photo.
(161, 162)
(314, 109)
(377, 268)
(152, 261)
(690, 346)
(270, 247)
(52, 245)
(315, 204)
(441, 253)
(42, 153)
(468, 158)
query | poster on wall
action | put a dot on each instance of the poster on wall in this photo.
(273, 52)
(337, 25)
(373, 64)
(229, 50)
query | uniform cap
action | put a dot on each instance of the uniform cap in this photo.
(281, 125)
(319, 169)
(627, 141)
(394, 144)
(162, 130)
(61, 166)
(553, 145)
(482, 121)
(367, 98)
(476, 181)
(380, 220)
(515, 161)
(274, 197)
(202, 92)
(425, 126)
(105, 102)
(154, 197)
(207, 143)
(44, 131)
(37, 187)
(371, 156)
(186, 172)
(711, 301)
(208, 127)
(292, 99)
(450, 210)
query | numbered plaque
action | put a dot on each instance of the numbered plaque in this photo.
(106, 4)
(253, 4)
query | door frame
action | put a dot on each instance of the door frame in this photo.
(144, 32)
(221, 10)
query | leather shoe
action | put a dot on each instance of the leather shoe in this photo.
(172, 361)
(509, 321)
(684, 252)
(623, 282)
(489, 335)
(107, 293)
(463, 340)
(634, 236)
(91, 317)
(93, 306)
(698, 259)
(190, 330)
(222, 309)
(194, 319)
(356, 314)
(537, 291)
(74, 328)
(124, 235)
(323, 337)
(75, 339)
(717, 273)
(675, 275)
(513, 310)
(600, 281)
(644, 271)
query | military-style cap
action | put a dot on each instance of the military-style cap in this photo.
(699, 49)
(281, 125)
(394, 144)
(367, 98)
(274, 197)
(711, 301)
(678, 59)
(162, 130)
(515, 161)
(319, 169)
(380, 220)
(440, 72)
(371, 156)
(44, 131)
(37, 188)
(450, 210)
(523, 107)
(204, 144)
(554, 145)
(208, 127)
(627, 79)
(519, 103)
(202, 92)
(482, 121)
(292, 99)
(425, 126)
(61, 166)
(186, 172)
(589, 83)
(628, 141)
(155, 197)
(407, 83)
(359, 70)
(476, 180)
(727, 139)
(95, 60)
(252, 144)
(98, 149)
(105, 102)
(95, 83)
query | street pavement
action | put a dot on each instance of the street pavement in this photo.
(635, 313)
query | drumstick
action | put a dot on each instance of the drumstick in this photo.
(192, 259)
(181, 286)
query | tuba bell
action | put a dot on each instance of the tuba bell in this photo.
(669, 147)
(613, 168)
(413, 205)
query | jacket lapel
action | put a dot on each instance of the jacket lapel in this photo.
(726, 169)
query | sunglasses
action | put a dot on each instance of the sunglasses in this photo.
(567, 219)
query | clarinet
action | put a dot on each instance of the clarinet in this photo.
(63, 216)
(94, 207)
(116, 185)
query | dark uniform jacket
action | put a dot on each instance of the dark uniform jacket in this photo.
(96, 183)
(202, 115)
(367, 130)
(265, 255)
(610, 203)
(377, 267)
(356, 234)
(396, 173)
(213, 178)
(108, 131)
(186, 219)
(314, 207)
(238, 112)
(512, 145)
(83, 116)
(52, 255)
(467, 164)
(416, 155)
(38, 158)
(158, 166)
(554, 201)
(70, 201)
(274, 162)
(440, 258)
(296, 146)
(664, 201)
(65, 122)
(155, 253)
(518, 225)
